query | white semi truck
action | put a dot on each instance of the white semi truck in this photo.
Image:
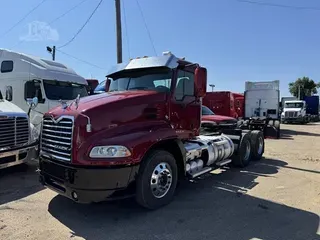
(294, 111)
(18, 137)
(23, 77)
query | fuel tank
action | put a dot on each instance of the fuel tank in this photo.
(208, 149)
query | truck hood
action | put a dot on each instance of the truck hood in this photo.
(218, 118)
(8, 107)
(292, 109)
(94, 101)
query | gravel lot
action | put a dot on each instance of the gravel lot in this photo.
(276, 198)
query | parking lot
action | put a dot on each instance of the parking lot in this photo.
(276, 198)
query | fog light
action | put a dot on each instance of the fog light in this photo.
(74, 196)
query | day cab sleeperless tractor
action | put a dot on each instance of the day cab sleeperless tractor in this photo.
(140, 137)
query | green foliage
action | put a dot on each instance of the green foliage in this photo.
(308, 87)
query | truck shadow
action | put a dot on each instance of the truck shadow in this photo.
(18, 182)
(216, 207)
(289, 133)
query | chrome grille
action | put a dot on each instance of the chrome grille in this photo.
(56, 138)
(14, 132)
(22, 131)
(291, 114)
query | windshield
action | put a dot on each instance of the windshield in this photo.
(101, 87)
(294, 105)
(206, 111)
(156, 80)
(56, 90)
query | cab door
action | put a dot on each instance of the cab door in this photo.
(33, 88)
(185, 108)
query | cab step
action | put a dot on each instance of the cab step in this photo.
(223, 162)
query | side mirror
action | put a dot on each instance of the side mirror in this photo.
(200, 80)
(9, 93)
(32, 102)
(107, 86)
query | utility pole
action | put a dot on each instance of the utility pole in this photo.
(52, 51)
(119, 34)
(212, 86)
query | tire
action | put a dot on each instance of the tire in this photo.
(243, 156)
(277, 126)
(257, 145)
(150, 171)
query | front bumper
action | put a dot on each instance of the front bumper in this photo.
(85, 185)
(12, 157)
(292, 119)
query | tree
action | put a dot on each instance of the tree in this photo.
(308, 87)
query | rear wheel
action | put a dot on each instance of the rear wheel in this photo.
(257, 145)
(157, 180)
(243, 156)
(277, 126)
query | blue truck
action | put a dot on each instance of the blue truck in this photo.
(312, 107)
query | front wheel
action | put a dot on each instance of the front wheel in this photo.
(157, 180)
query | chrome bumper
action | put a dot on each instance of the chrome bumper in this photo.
(14, 157)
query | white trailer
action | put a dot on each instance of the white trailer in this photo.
(24, 77)
(261, 107)
(262, 99)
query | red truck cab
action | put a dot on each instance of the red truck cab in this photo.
(92, 84)
(220, 120)
(225, 103)
(138, 138)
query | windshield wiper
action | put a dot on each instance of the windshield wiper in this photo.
(138, 88)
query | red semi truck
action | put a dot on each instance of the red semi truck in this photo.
(139, 138)
(225, 103)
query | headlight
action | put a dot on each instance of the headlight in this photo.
(115, 151)
(34, 133)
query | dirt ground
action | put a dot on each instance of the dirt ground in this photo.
(277, 198)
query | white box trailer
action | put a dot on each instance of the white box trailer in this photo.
(261, 107)
(262, 99)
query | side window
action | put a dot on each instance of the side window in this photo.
(33, 89)
(162, 85)
(184, 86)
(9, 93)
(6, 66)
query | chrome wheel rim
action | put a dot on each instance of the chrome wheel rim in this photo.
(248, 150)
(161, 180)
(260, 148)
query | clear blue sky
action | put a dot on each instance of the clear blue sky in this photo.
(235, 41)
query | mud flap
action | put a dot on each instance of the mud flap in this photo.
(272, 129)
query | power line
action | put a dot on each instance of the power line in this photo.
(86, 22)
(126, 27)
(279, 5)
(24, 17)
(80, 60)
(57, 18)
(146, 26)
(65, 13)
